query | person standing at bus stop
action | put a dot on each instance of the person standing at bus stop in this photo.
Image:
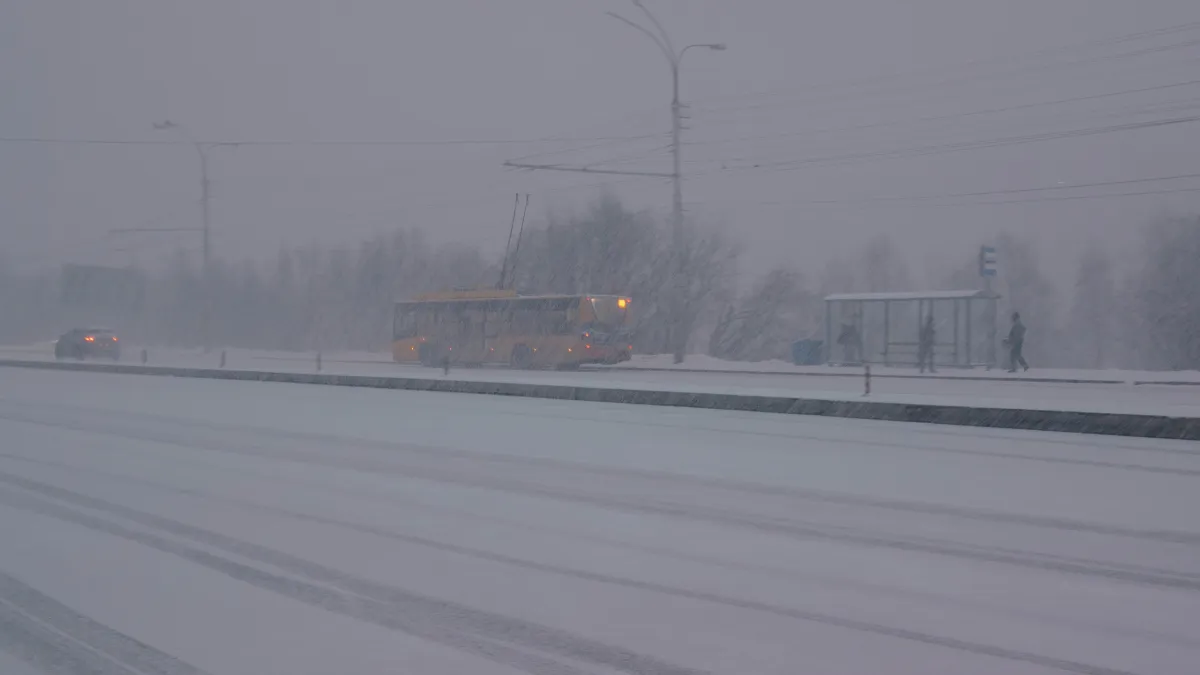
(925, 345)
(851, 342)
(1016, 342)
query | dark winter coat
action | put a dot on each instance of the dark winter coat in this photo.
(927, 335)
(1016, 335)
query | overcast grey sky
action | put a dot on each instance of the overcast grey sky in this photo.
(790, 134)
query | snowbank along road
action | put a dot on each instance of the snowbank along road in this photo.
(171, 526)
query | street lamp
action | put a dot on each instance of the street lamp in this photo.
(674, 58)
(206, 271)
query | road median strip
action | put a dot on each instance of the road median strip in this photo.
(1109, 424)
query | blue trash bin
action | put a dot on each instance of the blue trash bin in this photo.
(807, 352)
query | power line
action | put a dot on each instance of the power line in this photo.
(791, 165)
(1127, 114)
(447, 203)
(962, 67)
(972, 113)
(1077, 197)
(591, 146)
(318, 142)
(642, 155)
(1048, 188)
(892, 77)
(971, 65)
(131, 230)
(1014, 191)
(90, 242)
(584, 169)
(1031, 200)
(870, 95)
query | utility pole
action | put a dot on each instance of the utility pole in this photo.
(676, 309)
(676, 295)
(206, 266)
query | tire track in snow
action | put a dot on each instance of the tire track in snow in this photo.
(54, 638)
(755, 489)
(776, 525)
(568, 535)
(502, 639)
(373, 592)
(857, 445)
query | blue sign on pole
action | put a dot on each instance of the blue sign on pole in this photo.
(987, 261)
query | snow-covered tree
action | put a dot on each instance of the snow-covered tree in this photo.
(1094, 307)
(765, 321)
(1166, 294)
(612, 250)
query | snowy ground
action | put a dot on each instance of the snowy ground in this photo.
(1052, 390)
(160, 525)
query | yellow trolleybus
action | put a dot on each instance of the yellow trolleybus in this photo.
(501, 327)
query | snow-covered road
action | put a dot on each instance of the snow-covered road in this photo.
(171, 526)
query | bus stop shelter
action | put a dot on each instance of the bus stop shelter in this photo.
(885, 327)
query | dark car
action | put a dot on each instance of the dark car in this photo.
(82, 343)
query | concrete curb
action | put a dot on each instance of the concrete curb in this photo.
(1143, 426)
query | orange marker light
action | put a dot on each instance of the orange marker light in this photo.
(622, 302)
(114, 338)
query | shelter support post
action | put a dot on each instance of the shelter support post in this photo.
(887, 328)
(968, 345)
(828, 333)
(955, 352)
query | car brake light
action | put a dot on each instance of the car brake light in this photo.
(114, 338)
(90, 339)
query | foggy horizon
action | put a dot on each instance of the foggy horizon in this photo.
(787, 149)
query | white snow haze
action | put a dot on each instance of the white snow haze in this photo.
(582, 337)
